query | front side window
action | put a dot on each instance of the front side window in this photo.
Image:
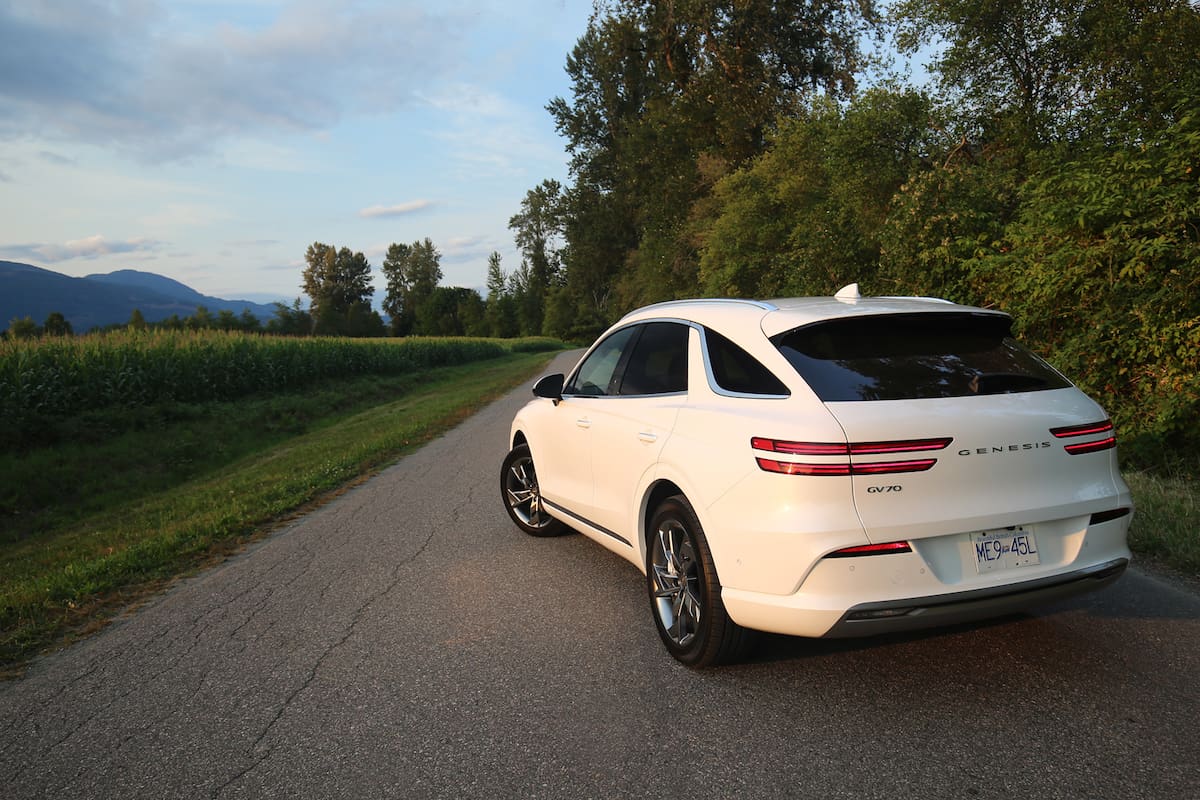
(914, 356)
(595, 376)
(658, 363)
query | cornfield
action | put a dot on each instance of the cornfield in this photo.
(61, 376)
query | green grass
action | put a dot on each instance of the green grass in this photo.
(161, 489)
(1166, 526)
(104, 506)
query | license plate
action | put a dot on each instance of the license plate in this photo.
(1004, 549)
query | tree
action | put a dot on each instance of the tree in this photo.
(1040, 71)
(248, 322)
(413, 272)
(538, 229)
(57, 325)
(451, 311)
(227, 320)
(336, 281)
(1004, 61)
(137, 322)
(500, 312)
(1099, 268)
(294, 321)
(667, 98)
(202, 320)
(806, 216)
(23, 328)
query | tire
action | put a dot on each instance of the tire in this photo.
(685, 593)
(522, 500)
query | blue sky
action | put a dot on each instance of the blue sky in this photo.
(212, 142)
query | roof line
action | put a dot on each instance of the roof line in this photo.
(761, 304)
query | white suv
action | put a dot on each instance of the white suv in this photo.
(823, 467)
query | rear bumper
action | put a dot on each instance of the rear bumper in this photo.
(868, 619)
(914, 613)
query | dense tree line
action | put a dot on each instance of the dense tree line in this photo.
(1051, 168)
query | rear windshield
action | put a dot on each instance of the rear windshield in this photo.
(914, 356)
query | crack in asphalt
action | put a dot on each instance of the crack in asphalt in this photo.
(355, 619)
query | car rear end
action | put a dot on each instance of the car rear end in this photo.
(980, 480)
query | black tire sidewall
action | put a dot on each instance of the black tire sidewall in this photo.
(704, 649)
(521, 451)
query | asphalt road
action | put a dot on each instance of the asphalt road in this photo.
(408, 641)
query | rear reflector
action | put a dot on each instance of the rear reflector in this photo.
(871, 550)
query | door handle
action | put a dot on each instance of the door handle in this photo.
(584, 423)
(647, 436)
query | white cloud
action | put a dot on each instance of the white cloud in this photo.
(397, 210)
(89, 247)
(160, 86)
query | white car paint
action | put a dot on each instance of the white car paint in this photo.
(600, 461)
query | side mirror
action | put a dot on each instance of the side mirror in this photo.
(549, 387)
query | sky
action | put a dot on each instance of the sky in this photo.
(212, 142)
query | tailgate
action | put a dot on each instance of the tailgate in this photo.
(1001, 467)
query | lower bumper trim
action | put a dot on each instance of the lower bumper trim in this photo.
(868, 619)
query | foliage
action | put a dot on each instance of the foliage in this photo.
(667, 98)
(537, 229)
(805, 217)
(294, 321)
(338, 282)
(412, 272)
(1101, 268)
(23, 328)
(720, 149)
(57, 377)
(452, 311)
(262, 459)
(57, 325)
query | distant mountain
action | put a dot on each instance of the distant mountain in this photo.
(99, 300)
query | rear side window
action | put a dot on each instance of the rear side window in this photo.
(914, 356)
(737, 371)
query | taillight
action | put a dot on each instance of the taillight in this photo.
(1090, 429)
(854, 467)
(906, 446)
(801, 448)
(871, 550)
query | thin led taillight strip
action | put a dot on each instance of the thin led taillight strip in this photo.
(871, 550)
(1090, 429)
(854, 448)
(891, 467)
(870, 468)
(1091, 447)
(1082, 430)
(906, 446)
(801, 448)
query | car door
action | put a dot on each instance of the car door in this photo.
(630, 428)
(564, 447)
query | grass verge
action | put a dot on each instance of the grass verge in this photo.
(1166, 526)
(70, 570)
